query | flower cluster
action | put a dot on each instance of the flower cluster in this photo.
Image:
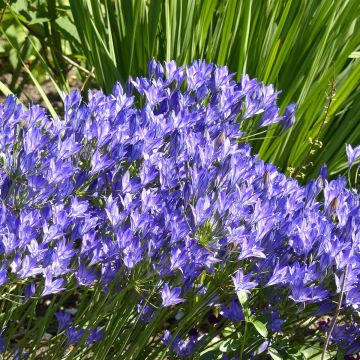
(154, 179)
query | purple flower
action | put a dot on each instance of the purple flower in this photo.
(59, 170)
(73, 336)
(3, 273)
(170, 296)
(179, 346)
(95, 335)
(275, 323)
(99, 162)
(178, 258)
(68, 147)
(352, 154)
(28, 267)
(146, 312)
(29, 290)
(301, 293)
(85, 277)
(72, 100)
(353, 298)
(166, 337)
(270, 116)
(185, 347)
(279, 276)
(52, 286)
(233, 312)
(242, 282)
(288, 118)
(64, 318)
(202, 210)
(112, 211)
(133, 253)
(33, 140)
(78, 208)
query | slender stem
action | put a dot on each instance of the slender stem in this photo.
(87, 78)
(349, 179)
(74, 63)
(333, 321)
(330, 99)
(3, 12)
(243, 340)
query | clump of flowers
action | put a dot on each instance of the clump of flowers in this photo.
(148, 200)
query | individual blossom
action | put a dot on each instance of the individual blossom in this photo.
(29, 290)
(99, 162)
(3, 273)
(28, 267)
(146, 311)
(52, 286)
(352, 154)
(181, 347)
(301, 293)
(170, 296)
(78, 208)
(270, 116)
(275, 323)
(73, 336)
(85, 276)
(279, 275)
(242, 282)
(64, 318)
(95, 335)
(233, 311)
(288, 119)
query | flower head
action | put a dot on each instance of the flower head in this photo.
(352, 154)
(170, 296)
(242, 282)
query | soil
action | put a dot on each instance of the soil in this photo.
(30, 94)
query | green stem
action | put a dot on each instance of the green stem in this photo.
(356, 175)
(243, 340)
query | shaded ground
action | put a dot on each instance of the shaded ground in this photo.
(31, 94)
(28, 93)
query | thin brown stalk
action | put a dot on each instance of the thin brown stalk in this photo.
(87, 79)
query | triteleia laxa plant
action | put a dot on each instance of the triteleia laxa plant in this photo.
(143, 224)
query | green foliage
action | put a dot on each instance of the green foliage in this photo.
(34, 46)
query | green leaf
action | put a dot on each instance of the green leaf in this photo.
(274, 354)
(315, 353)
(39, 20)
(242, 296)
(20, 6)
(68, 30)
(260, 327)
(355, 55)
(210, 355)
(5, 90)
(228, 345)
